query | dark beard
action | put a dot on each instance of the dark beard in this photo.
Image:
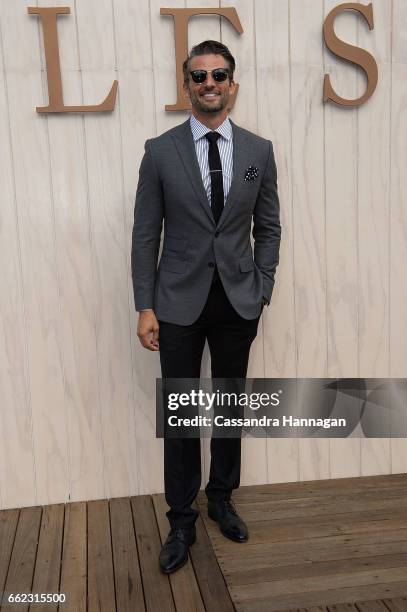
(212, 109)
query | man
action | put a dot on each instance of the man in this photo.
(206, 179)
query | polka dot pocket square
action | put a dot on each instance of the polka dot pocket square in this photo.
(251, 173)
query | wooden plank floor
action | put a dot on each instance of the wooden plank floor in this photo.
(317, 546)
(332, 545)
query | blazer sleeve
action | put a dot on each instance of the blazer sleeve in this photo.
(266, 226)
(148, 219)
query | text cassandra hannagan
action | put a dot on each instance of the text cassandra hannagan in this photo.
(286, 421)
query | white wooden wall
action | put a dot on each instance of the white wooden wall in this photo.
(77, 391)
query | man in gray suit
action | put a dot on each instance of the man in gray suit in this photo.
(206, 179)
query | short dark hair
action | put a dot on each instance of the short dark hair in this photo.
(209, 47)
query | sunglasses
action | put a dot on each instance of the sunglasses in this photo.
(218, 74)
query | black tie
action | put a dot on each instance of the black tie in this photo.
(215, 168)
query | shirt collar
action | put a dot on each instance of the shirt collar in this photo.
(199, 129)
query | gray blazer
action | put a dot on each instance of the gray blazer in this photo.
(170, 190)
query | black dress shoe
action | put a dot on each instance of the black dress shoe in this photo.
(230, 523)
(174, 553)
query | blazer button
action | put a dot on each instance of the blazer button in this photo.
(216, 234)
(211, 264)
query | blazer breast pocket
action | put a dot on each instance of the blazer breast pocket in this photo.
(249, 190)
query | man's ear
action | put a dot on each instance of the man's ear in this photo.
(232, 85)
(186, 90)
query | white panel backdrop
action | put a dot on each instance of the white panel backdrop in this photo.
(77, 413)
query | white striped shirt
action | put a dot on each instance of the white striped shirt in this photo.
(225, 146)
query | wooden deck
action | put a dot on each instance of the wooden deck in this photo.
(331, 545)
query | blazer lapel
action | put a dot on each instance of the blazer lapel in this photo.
(239, 160)
(185, 145)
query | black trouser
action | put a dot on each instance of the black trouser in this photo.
(229, 338)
